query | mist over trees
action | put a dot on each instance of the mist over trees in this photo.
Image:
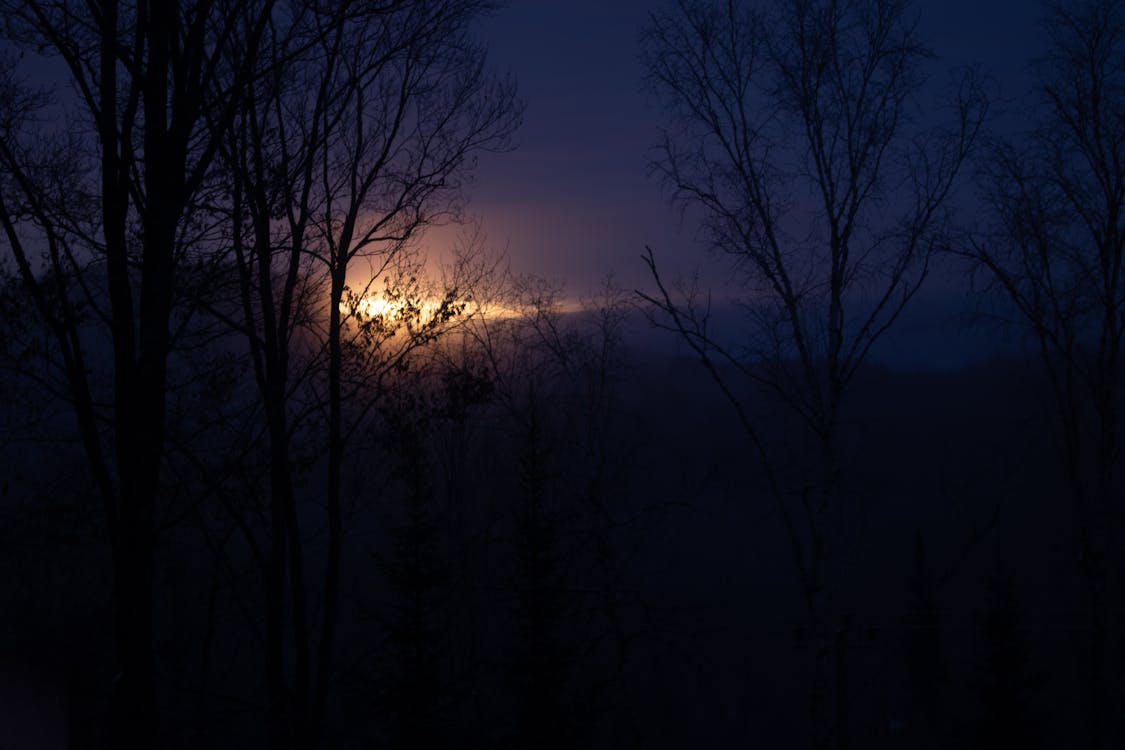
(278, 472)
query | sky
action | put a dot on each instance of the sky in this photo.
(574, 201)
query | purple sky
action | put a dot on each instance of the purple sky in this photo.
(574, 201)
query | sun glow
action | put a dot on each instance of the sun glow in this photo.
(378, 306)
(373, 306)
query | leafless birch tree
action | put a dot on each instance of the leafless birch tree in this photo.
(799, 135)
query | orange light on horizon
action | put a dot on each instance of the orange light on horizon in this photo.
(375, 305)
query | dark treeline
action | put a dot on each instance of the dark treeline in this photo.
(274, 478)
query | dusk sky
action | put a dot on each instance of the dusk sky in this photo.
(574, 201)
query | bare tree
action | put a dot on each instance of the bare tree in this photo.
(333, 190)
(798, 138)
(151, 79)
(1054, 254)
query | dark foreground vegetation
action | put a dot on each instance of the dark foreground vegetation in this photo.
(576, 552)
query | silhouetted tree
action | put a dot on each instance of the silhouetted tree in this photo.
(526, 380)
(1055, 253)
(553, 377)
(795, 135)
(401, 104)
(155, 84)
(539, 662)
(1005, 718)
(417, 693)
(125, 210)
(927, 720)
